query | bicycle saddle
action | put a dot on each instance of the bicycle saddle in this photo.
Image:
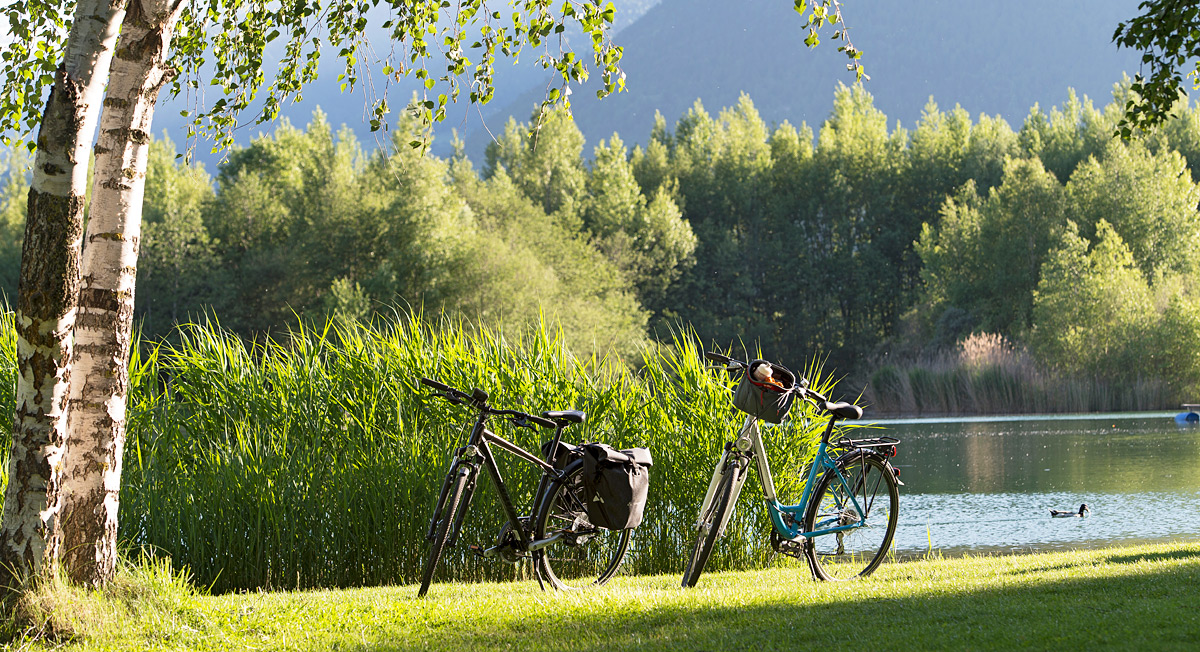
(843, 410)
(564, 417)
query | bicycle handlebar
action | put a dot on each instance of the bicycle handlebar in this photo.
(478, 398)
(818, 399)
(436, 385)
(718, 357)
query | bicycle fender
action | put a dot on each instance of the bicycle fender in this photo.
(552, 481)
(874, 454)
(862, 452)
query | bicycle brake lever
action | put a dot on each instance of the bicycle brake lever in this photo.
(523, 423)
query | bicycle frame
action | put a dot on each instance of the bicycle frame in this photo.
(478, 451)
(786, 519)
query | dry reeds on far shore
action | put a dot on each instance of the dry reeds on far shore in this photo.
(988, 374)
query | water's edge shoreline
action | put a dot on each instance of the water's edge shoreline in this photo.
(872, 419)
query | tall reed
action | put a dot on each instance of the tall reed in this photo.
(8, 388)
(314, 460)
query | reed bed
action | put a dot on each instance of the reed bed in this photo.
(986, 374)
(314, 460)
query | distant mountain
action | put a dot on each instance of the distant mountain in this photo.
(990, 57)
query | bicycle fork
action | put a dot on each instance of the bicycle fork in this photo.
(458, 468)
(738, 463)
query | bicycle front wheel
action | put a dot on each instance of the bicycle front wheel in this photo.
(585, 554)
(854, 552)
(447, 516)
(712, 522)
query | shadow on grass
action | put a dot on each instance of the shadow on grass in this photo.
(1154, 556)
(1151, 609)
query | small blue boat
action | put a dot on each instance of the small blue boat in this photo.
(1189, 418)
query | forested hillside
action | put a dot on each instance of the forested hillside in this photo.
(987, 56)
(873, 246)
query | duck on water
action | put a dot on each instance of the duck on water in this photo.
(1083, 511)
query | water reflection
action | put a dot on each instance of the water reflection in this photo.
(988, 484)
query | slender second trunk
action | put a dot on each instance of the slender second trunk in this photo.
(103, 330)
(48, 291)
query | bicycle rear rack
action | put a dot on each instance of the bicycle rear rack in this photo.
(887, 445)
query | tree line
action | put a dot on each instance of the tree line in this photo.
(856, 241)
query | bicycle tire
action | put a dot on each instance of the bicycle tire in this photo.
(585, 555)
(856, 552)
(712, 524)
(442, 531)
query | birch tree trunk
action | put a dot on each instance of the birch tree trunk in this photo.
(48, 291)
(103, 330)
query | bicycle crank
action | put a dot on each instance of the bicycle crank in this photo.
(789, 547)
(507, 546)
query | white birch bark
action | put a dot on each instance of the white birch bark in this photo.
(103, 330)
(48, 290)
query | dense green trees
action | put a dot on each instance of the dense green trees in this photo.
(1090, 304)
(304, 222)
(987, 254)
(1149, 199)
(854, 241)
(177, 256)
(12, 220)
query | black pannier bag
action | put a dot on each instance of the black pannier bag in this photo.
(766, 400)
(615, 485)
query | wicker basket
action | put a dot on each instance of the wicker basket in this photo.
(764, 400)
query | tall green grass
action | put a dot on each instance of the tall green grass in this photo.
(314, 460)
(8, 389)
(986, 374)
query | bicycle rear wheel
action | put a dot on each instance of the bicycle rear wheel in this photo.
(446, 516)
(585, 554)
(712, 523)
(858, 551)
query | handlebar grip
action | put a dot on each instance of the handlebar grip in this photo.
(545, 423)
(436, 385)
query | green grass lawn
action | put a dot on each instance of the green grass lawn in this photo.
(1126, 598)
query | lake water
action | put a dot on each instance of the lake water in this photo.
(988, 484)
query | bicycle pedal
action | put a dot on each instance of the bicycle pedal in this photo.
(476, 548)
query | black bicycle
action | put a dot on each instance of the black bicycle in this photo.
(566, 549)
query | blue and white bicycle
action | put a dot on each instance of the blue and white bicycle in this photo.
(847, 514)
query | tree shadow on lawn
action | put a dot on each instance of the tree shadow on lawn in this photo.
(1136, 611)
(1182, 554)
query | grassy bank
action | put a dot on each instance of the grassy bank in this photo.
(1117, 598)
